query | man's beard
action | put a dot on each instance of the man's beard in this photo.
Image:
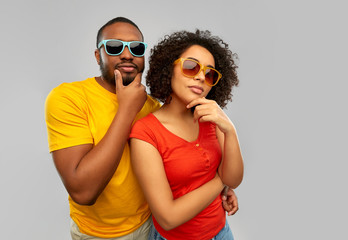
(110, 77)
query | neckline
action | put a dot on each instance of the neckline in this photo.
(173, 134)
(95, 82)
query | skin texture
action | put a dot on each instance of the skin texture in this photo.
(177, 117)
(86, 170)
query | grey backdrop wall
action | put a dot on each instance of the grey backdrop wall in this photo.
(290, 108)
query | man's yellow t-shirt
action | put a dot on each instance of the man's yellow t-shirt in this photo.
(80, 113)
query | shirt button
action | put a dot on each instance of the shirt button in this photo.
(197, 145)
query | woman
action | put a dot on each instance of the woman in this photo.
(184, 153)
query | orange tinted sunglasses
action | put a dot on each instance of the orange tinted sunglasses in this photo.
(191, 68)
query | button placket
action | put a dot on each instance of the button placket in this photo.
(204, 156)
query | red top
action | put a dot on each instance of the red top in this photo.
(188, 165)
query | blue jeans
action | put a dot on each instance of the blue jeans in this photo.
(224, 234)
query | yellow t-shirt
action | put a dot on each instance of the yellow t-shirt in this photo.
(80, 113)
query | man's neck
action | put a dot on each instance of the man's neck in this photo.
(105, 84)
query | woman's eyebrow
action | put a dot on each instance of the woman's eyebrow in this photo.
(200, 62)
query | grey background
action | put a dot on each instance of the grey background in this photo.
(290, 108)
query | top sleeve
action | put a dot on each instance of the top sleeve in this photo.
(66, 119)
(142, 131)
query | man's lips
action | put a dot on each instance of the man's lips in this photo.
(126, 67)
(196, 89)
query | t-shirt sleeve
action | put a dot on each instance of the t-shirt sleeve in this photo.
(66, 120)
(142, 131)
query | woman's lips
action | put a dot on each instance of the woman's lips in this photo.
(196, 89)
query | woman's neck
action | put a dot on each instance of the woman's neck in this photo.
(178, 119)
(174, 109)
(177, 108)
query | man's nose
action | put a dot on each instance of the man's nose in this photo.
(126, 54)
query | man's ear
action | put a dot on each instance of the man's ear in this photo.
(97, 56)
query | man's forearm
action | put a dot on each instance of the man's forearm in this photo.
(97, 166)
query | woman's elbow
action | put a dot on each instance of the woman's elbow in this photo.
(166, 226)
(232, 182)
(166, 222)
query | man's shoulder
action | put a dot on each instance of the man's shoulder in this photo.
(72, 86)
(69, 89)
(150, 106)
(152, 103)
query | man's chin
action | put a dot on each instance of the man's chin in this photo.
(127, 79)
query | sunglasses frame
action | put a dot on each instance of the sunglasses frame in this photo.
(124, 44)
(202, 67)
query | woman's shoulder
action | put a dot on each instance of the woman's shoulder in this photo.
(147, 123)
(145, 120)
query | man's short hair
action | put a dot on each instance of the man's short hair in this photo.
(112, 21)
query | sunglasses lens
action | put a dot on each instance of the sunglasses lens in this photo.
(211, 76)
(137, 48)
(114, 47)
(190, 68)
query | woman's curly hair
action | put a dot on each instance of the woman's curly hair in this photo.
(171, 47)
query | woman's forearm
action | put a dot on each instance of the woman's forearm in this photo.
(189, 205)
(231, 168)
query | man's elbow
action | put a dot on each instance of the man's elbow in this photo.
(86, 199)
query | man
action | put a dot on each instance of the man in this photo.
(88, 125)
